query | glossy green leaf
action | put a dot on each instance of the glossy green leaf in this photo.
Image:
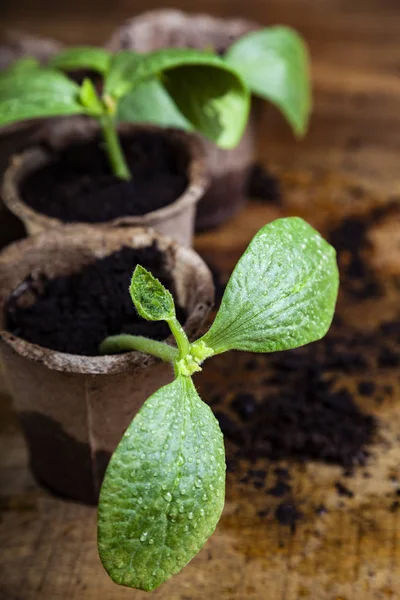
(23, 64)
(209, 93)
(122, 75)
(152, 301)
(163, 492)
(281, 294)
(275, 64)
(35, 93)
(150, 103)
(82, 57)
(212, 100)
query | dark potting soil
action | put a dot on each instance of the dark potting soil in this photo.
(352, 244)
(75, 313)
(342, 490)
(303, 416)
(287, 513)
(263, 186)
(79, 186)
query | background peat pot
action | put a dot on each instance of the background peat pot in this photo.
(74, 409)
(228, 169)
(16, 137)
(17, 44)
(175, 219)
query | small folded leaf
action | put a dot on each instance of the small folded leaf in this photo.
(83, 57)
(281, 294)
(163, 492)
(150, 103)
(152, 301)
(89, 98)
(208, 92)
(35, 93)
(275, 64)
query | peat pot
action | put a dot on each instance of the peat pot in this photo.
(175, 219)
(74, 409)
(228, 169)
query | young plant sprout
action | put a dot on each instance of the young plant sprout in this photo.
(163, 491)
(187, 88)
(209, 93)
(273, 62)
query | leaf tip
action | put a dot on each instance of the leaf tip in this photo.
(151, 299)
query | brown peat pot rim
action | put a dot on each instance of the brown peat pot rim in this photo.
(90, 243)
(174, 18)
(22, 165)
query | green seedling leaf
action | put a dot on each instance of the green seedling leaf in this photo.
(82, 57)
(89, 98)
(275, 64)
(23, 64)
(150, 103)
(122, 75)
(34, 93)
(281, 294)
(209, 93)
(152, 301)
(212, 100)
(163, 492)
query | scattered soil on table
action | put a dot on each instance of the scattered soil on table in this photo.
(301, 409)
(75, 313)
(263, 186)
(303, 416)
(287, 513)
(351, 243)
(79, 187)
(304, 412)
(350, 239)
(342, 490)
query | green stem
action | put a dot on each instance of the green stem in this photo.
(180, 336)
(126, 342)
(113, 148)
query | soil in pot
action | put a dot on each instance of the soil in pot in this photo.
(74, 313)
(78, 185)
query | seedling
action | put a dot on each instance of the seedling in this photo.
(274, 64)
(209, 93)
(163, 491)
(191, 89)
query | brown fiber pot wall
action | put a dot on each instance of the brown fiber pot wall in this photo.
(12, 140)
(74, 409)
(175, 220)
(228, 168)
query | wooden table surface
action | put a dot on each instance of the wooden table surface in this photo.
(347, 166)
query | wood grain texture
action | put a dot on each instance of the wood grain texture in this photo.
(348, 165)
